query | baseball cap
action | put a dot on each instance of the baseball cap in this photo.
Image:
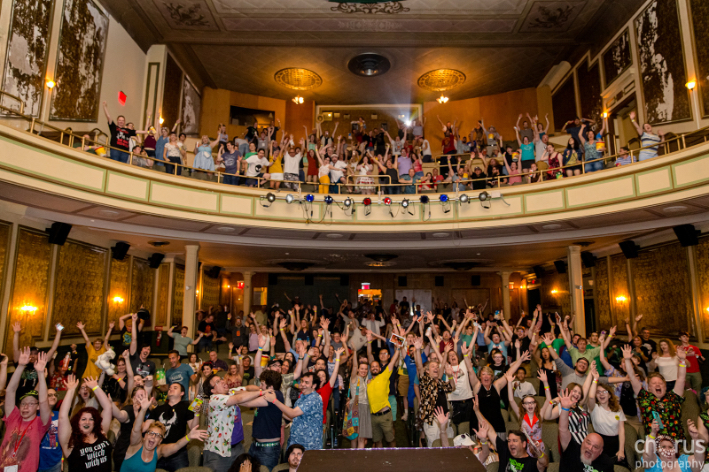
(275, 361)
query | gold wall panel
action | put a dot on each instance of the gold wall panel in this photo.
(163, 294)
(600, 290)
(662, 289)
(619, 288)
(119, 286)
(702, 266)
(78, 289)
(178, 294)
(5, 232)
(562, 297)
(34, 255)
(142, 285)
(210, 292)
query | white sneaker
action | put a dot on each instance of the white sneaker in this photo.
(405, 416)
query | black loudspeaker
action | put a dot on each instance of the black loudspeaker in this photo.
(213, 272)
(539, 271)
(402, 281)
(588, 259)
(560, 266)
(272, 279)
(155, 260)
(345, 280)
(475, 280)
(439, 281)
(120, 250)
(309, 280)
(630, 250)
(687, 235)
(58, 233)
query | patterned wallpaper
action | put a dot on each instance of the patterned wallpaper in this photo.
(561, 299)
(119, 286)
(163, 293)
(5, 232)
(210, 292)
(34, 254)
(702, 265)
(142, 286)
(662, 289)
(78, 291)
(601, 282)
(178, 294)
(619, 288)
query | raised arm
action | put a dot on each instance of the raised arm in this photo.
(565, 404)
(105, 111)
(81, 327)
(681, 371)
(633, 120)
(634, 381)
(104, 401)
(510, 394)
(336, 370)
(108, 335)
(17, 329)
(134, 336)
(45, 412)
(11, 390)
(71, 383)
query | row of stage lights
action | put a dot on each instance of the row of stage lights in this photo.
(349, 202)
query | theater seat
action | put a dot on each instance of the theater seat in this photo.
(281, 467)
(631, 436)
(195, 469)
(194, 453)
(493, 467)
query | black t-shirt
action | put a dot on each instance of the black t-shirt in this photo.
(394, 175)
(28, 380)
(512, 464)
(94, 457)
(267, 420)
(141, 368)
(175, 419)
(571, 460)
(206, 328)
(248, 373)
(123, 439)
(120, 137)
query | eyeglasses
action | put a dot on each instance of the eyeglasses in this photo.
(29, 404)
(529, 403)
(154, 434)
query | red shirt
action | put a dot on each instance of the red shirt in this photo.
(325, 391)
(20, 446)
(692, 362)
(448, 145)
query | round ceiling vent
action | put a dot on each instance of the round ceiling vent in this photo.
(298, 79)
(369, 65)
(441, 79)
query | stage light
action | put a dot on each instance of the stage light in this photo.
(405, 203)
(444, 198)
(270, 197)
(309, 198)
(387, 201)
(329, 199)
(484, 196)
(464, 198)
(347, 202)
(289, 198)
(367, 201)
(424, 199)
(408, 123)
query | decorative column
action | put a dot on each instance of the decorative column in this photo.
(576, 289)
(506, 293)
(248, 289)
(191, 280)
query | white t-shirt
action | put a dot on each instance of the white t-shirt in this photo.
(426, 148)
(462, 384)
(605, 422)
(323, 171)
(291, 163)
(667, 366)
(336, 175)
(522, 389)
(256, 165)
(373, 325)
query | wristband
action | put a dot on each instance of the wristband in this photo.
(260, 348)
(320, 335)
(94, 388)
(565, 409)
(651, 436)
(282, 329)
(483, 442)
(551, 402)
(369, 342)
(337, 360)
(546, 387)
(465, 355)
(595, 381)
(187, 437)
(683, 365)
(260, 393)
(196, 415)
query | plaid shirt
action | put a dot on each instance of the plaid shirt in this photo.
(430, 389)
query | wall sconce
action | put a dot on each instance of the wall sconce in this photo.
(605, 114)
(50, 84)
(621, 299)
(162, 120)
(691, 84)
(118, 299)
(554, 292)
(512, 285)
(197, 292)
(442, 99)
(28, 309)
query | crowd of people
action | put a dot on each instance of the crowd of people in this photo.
(360, 374)
(372, 161)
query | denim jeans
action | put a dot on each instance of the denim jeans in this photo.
(268, 455)
(231, 180)
(175, 461)
(119, 156)
(56, 468)
(335, 188)
(219, 463)
(594, 166)
(171, 169)
(204, 344)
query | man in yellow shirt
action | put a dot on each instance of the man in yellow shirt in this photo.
(94, 349)
(378, 394)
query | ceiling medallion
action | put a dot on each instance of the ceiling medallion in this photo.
(441, 79)
(298, 79)
(371, 7)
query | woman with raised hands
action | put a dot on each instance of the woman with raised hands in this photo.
(529, 416)
(145, 451)
(607, 417)
(83, 437)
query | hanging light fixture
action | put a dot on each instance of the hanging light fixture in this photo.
(442, 99)
(298, 100)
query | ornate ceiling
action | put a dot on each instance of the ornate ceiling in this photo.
(499, 45)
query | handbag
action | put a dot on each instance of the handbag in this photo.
(350, 427)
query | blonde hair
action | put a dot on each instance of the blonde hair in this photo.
(160, 426)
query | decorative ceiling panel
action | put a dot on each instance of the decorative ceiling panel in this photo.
(186, 14)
